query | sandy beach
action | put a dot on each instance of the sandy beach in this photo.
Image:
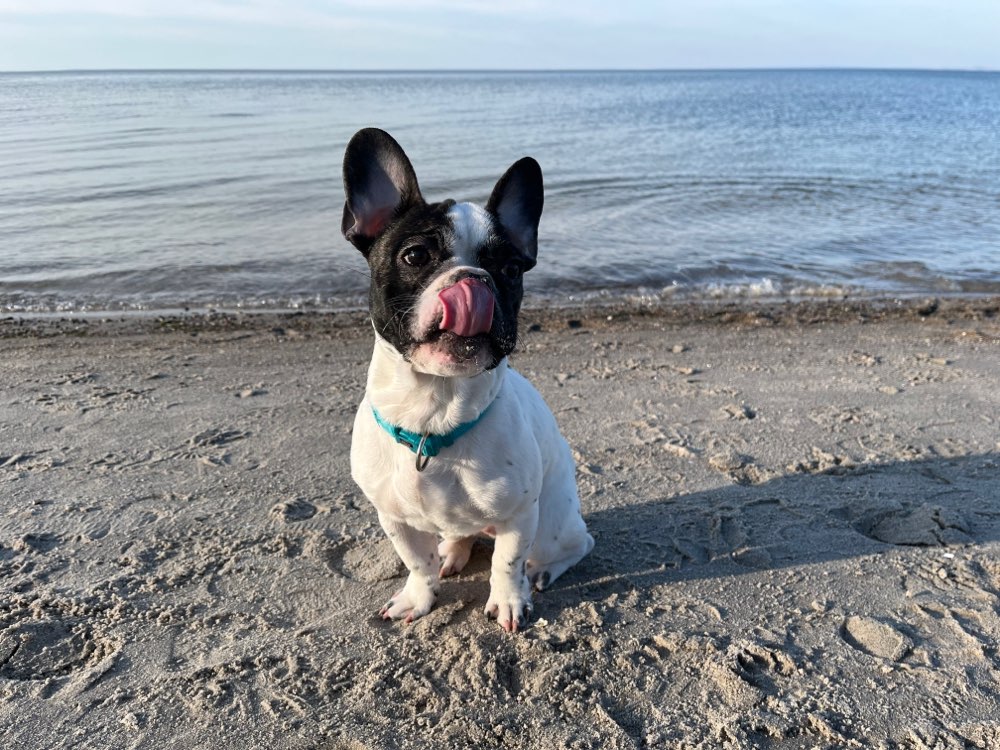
(796, 510)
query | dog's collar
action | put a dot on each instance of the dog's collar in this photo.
(425, 445)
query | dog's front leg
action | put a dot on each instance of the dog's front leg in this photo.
(418, 551)
(510, 592)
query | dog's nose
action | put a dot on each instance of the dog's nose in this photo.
(470, 274)
(478, 275)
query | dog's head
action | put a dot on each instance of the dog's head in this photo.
(446, 278)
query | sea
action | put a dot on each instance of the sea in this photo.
(199, 190)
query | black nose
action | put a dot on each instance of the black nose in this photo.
(482, 276)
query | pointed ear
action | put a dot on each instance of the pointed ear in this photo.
(517, 203)
(379, 182)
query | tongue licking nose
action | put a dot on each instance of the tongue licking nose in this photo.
(468, 308)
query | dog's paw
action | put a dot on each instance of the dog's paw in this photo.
(540, 578)
(454, 554)
(410, 602)
(511, 609)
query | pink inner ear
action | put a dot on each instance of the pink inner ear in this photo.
(372, 224)
(467, 308)
(375, 204)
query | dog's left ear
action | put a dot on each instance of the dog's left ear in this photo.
(517, 203)
(379, 183)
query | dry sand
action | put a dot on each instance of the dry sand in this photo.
(796, 508)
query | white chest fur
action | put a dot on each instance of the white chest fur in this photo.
(490, 474)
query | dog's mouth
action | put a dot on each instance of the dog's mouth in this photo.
(447, 353)
(462, 335)
(462, 348)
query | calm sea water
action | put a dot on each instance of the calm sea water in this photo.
(208, 189)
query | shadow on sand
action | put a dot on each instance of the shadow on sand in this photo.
(791, 520)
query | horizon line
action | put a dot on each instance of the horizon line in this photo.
(398, 71)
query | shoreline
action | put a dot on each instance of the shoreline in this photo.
(745, 311)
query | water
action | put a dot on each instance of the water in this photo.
(162, 190)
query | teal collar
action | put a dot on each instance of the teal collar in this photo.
(426, 445)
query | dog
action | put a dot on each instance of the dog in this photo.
(449, 441)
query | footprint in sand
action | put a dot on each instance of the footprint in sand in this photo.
(12, 461)
(739, 468)
(38, 649)
(210, 446)
(737, 411)
(823, 462)
(368, 560)
(876, 638)
(41, 542)
(216, 438)
(296, 509)
(925, 526)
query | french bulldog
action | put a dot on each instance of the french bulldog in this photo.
(449, 441)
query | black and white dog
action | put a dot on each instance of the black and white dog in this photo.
(449, 441)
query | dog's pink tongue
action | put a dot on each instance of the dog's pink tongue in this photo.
(468, 308)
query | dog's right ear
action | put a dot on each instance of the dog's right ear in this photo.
(379, 183)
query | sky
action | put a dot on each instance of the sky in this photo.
(494, 34)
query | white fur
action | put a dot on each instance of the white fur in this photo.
(471, 227)
(511, 474)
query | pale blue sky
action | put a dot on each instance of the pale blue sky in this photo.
(373, 34)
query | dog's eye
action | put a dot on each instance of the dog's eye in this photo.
(416, 256)
(511, 270)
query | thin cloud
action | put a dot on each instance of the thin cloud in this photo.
(217, 11)
(340, 14)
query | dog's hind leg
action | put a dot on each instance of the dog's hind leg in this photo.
(562, 539)
(454, 554)
(542, 573)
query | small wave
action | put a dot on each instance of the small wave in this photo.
(758, 289)
(52, 304)
(125, 193)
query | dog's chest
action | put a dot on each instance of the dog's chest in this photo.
(449, 501)
(481, 480)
